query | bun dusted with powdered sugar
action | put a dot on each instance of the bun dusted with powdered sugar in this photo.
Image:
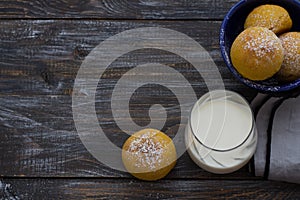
(257, 53)
(149, 154)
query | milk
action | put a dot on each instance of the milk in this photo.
(221, 134)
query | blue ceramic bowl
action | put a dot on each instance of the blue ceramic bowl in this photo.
(233, 25)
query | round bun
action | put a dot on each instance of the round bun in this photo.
(290, 69)
(257, 53)
(149, 154)
(273, 17)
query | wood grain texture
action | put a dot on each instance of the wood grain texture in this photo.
(42, 45)
(43, 57)
(40, 140)
(39, 61)
(115, 9)
(134, 189)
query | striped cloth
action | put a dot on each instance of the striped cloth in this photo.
(278, 149)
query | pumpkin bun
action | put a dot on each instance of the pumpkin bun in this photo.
(290, 69)
(273, 17)
(149, 154)
(257, 53)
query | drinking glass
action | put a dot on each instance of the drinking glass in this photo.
(221, 135)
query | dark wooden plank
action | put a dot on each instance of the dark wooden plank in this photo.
(38, 137)
(42, 57)
(133, 189)
(115, 9)
(38, 64)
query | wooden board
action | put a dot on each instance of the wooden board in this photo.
(42, 57)
(116, 9)
(38, 66)
(42, 46)
(134, 189)
(39, 139)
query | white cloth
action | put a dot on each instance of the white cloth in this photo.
(278, 125)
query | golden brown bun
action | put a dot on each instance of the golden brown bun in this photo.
(257, 53)
(149, 154)
(290, 69)
(273, 17)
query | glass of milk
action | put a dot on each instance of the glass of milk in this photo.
(221, 135)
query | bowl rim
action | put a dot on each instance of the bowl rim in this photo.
(256, 85)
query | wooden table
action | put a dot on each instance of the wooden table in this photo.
(43, 44)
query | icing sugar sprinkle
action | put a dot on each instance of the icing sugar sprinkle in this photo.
(262, 45)
(148, 150)
(292, 47)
